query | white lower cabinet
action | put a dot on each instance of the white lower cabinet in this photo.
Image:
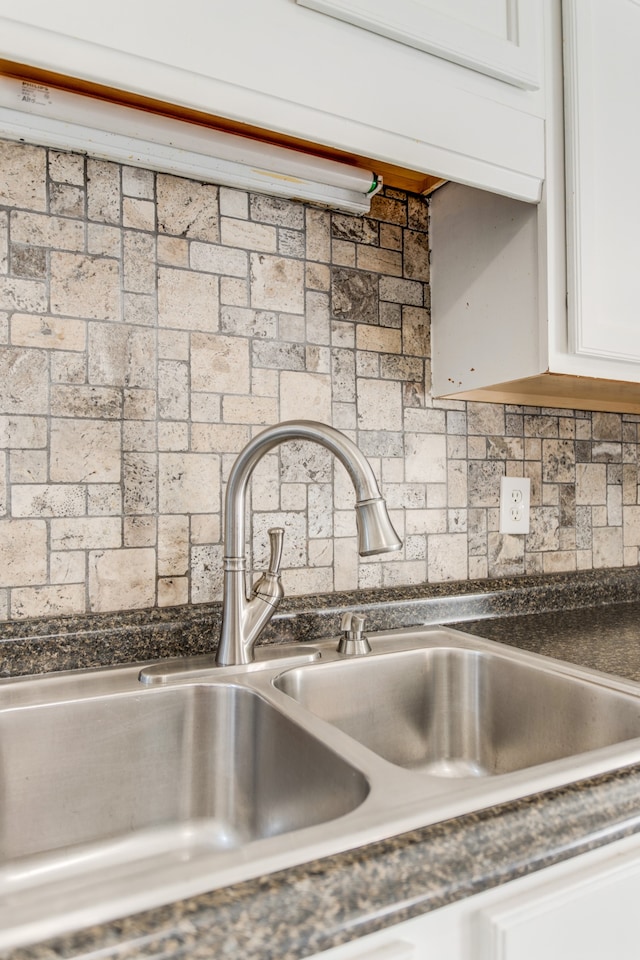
(583, 908)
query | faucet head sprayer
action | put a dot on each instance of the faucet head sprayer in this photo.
(375, 530)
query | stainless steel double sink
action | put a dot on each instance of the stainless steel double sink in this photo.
(121, 789)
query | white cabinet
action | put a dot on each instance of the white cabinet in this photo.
(278, 66)
(602, 104)
(585, 907)
(500, 38)
(526, 308)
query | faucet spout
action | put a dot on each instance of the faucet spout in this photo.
(243, 619)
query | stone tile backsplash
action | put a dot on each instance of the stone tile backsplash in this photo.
(151, 325)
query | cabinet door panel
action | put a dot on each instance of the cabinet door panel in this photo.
(590, 916)
(602, 100)
(495, 37)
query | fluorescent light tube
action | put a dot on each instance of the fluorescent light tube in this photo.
(51, 117)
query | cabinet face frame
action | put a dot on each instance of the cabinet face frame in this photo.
(512, 57)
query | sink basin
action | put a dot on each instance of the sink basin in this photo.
(87, 770)
(453, 712)
(116, 797)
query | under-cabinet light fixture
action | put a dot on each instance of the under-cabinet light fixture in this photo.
(38, 113)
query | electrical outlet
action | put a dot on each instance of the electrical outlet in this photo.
(515, 500)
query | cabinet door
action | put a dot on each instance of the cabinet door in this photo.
(590, 915)
(497, 37)
(602, 107)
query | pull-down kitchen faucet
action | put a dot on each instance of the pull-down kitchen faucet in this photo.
(243, 618)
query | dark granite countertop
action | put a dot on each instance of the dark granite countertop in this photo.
(590, 619)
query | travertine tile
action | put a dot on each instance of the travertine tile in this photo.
(122, 579)
(17, 293)
(305, 396)
(66, 167)
(85, 451)
(85, 286)
(379, 405)
(138, 214)
(58, 600)
(23, 170)
(104, 198)
(253, 236)
(48, 500)
(23, 381)
(187, 209)
(277, 283)
(137, 182)
(187, 300)
(220, 364)
(4, 242)
(447, 557)
(67, 201)
(188, 483)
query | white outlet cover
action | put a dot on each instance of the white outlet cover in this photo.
(515, 502)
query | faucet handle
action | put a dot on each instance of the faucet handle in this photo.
(269, 587)
(276, 541)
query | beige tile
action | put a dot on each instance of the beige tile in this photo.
(139, 262)
(41, 230)
(305, 396)
(607, 547)
(173, 251)
(4, 242)
(49, 333)
(137, 182)
(173, 591)
(58, 600)
(591, 483)
(23, 170)
(85, 286)
(379, 260)
(17, 293)
(277, 283)
(447, 557)
(234, 203)
(85, 451)
(104, 196)
(85, 533)
(121, 355)
(381, 339)
(379, 405)
(23, 547)
(66, 168)
(189, 483)
(250, 410)
(252, 236)
(23, 381)
(122, 579)
(425, 458)
(68, 567)
(187, 208)
(173, 546)
(187, 300)
(220, 364)
(48, 500)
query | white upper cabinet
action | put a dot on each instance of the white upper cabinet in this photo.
(279, 66)
(540, 305)
(497, 37)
